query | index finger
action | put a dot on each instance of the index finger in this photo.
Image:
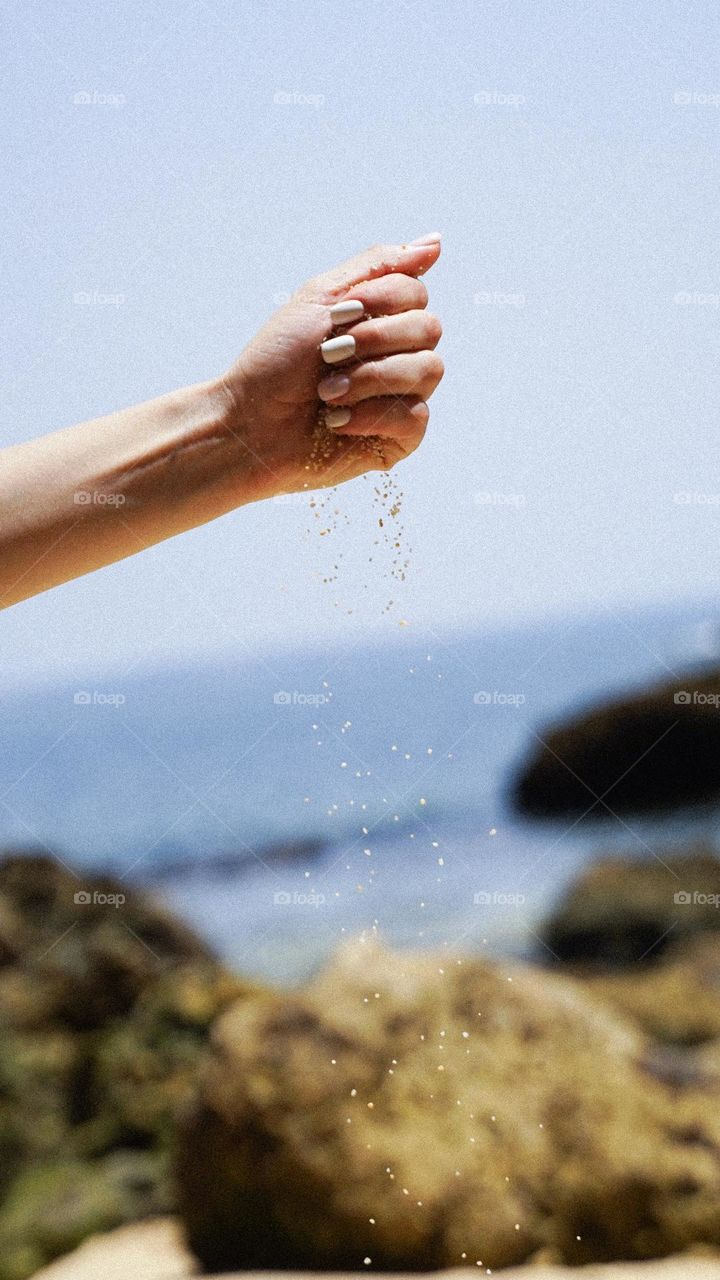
(381, 260)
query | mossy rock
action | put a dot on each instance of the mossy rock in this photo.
(51, 1209)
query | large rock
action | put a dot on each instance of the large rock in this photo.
(654, 750)
(416, 1111)
(104, 1014)
(624, 910)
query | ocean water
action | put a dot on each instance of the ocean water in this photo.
(393, 762)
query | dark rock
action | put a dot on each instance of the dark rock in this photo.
(644, 752)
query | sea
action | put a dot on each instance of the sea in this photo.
(287, 804)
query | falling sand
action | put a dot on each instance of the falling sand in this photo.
(390, 548)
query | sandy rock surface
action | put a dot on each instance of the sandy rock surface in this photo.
(426, 1110)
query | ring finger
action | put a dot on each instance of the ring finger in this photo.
(410, 373)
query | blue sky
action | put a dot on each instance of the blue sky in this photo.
(569, 154)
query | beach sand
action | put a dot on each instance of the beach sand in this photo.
(154, 1250)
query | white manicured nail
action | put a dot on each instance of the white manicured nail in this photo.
(337, 418)
(344, 312)
(336, 349)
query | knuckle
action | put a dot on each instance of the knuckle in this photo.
(367, 374)
(433, 328)
(378, 332)
(433, 367)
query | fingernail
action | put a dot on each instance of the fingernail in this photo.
(433, 237)
(421, 412)
(344, 312)
(337, 418)
(336, 385)
(334, 350)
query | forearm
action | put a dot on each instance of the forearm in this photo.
(100, 491)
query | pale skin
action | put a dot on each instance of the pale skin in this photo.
(97, 492)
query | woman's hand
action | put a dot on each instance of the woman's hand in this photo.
(303, 423)
(279, 421)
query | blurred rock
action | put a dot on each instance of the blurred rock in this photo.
(90, 958)
(676, 1001)
(650, 751)
(419, 1111)
(50, 1210)
(105, 1011)
(622, 911)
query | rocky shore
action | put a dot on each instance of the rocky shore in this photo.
(402, 1111)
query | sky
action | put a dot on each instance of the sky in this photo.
(173, 172)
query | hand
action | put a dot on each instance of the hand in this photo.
(283, 397)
